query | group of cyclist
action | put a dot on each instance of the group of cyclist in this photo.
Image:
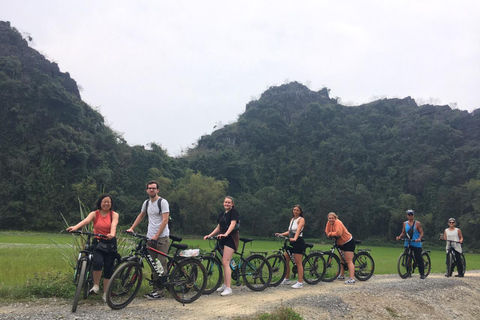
(105, 222)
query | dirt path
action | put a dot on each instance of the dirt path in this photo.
(381, 297)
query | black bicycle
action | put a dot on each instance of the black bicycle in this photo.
(313, 264)
(83, 275)
(407, 263)
(362, 260)
(185, 277)
(451, 260)
(254, 269)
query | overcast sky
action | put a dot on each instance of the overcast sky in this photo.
(169, 71)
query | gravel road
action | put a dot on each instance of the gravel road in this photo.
(381, 297)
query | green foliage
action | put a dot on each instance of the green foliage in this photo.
(368, 163)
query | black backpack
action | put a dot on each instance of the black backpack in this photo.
(160, 209)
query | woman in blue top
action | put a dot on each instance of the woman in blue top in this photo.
(413, 229)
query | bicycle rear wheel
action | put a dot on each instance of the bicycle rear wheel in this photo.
(426, 263)
(214, 270)
(449, 264)
(256, 272)
(364, 266)
(188, 280)
(80, 283)
(332, 267)
(313, 268)
(124, 285)
(404, 265)
(279, 268)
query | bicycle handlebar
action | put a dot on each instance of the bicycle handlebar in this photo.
(141, 236)
(89, 233)
(410, 240)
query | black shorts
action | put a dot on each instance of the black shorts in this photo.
(348, 246)
(231, 241)
(297, 246)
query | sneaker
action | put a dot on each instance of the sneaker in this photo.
(221, 288)
(227, 292)
(155, 296)
(341, 278)
(104, 297)
(94, 289)
(286, 281)
(350, 281)
(298, 285)
(422, 276)
(459, 275)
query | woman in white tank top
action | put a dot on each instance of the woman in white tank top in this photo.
(456, 239)
(297, 245)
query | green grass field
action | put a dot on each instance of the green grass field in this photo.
(40, 265)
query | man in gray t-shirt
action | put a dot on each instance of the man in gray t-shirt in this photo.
(158, 213)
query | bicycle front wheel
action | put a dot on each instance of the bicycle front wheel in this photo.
(80, 283)
(214, 270)
(364, 266)
(188, 280)
(426, 263)
(124, 285)
(404, 265)
(332, 267)
(449, 263)
(313, 268)
(256, 272)
(279, 268)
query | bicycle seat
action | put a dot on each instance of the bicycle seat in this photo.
(175, 238)
(309, 245)
(246, 240)
(180, 246)
(358, 241)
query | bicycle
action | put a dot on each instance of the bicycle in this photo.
(313, 264)
(184, 277)
(407, 263)
(83, 275)
(451, 260)
(362, 260)
(254, 269)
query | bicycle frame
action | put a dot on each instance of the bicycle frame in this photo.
(250, 268)
(408, 261)
(284, 249)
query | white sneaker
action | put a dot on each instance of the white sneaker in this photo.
(350, 281)
(104, 297)
(341, 278)
(221, 288)
(286, 281)
(226, 292)
(94, 289)
(298, 285)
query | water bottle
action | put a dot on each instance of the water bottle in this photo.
(233, 264)
(159, 266)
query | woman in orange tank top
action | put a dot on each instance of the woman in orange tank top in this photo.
(105, 222)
